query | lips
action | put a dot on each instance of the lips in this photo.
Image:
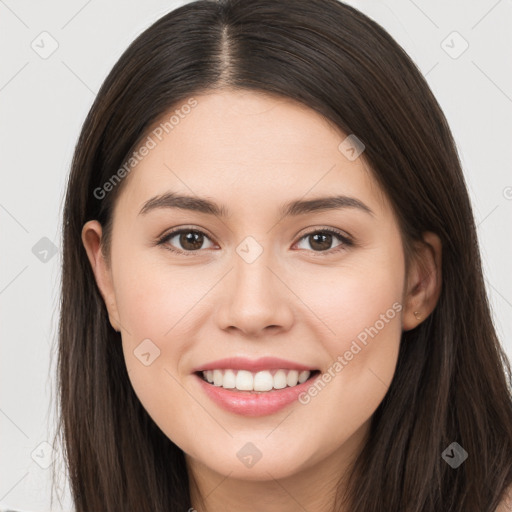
(255, 403)
(270, 392)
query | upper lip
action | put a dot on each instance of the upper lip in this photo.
(252, 365)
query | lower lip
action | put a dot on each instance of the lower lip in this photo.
(246, 403)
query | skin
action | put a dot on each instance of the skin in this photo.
(251, 152)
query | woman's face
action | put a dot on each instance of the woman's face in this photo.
(255, 280)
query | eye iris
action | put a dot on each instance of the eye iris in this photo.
(322, 244)
(191, 237)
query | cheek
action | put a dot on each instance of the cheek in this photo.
(366, 289)
(153, 299)
(361, 304)
(156, 306)
(366, 330)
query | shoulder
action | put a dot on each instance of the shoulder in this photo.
(506, 503)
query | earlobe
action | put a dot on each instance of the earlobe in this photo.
(91, 239)
(424, 281)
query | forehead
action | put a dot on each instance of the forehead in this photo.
(247, 149)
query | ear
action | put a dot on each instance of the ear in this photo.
(423, 286)
(91, 238)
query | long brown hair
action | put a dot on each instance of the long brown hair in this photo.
(452, 381)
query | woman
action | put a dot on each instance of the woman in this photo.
(272, 294)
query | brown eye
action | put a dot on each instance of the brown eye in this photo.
(187, 240)
(321, 240)
(191, 240)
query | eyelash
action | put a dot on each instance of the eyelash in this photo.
(346, 241)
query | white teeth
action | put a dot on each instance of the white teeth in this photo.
(244, 381)
(280, 379)
(266, 380)
(263, 381)
(303, 376)
(217, 378)
(229, 381)
(292, 378)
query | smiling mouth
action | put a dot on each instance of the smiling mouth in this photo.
(256, 382)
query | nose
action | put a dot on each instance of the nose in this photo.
(255, 299)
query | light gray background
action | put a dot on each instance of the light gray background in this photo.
(43, 103)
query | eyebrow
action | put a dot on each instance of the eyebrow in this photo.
(293, 208)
